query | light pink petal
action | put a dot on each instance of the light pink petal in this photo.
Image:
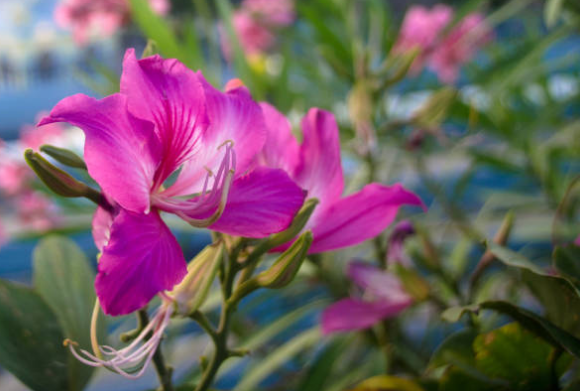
(320, 169)
(281, 149)
(359, 217)
(381, 284)
(122, 152)
(260, 203)
(353, 314)
(102, 222)
(171, 96)
(233, 116)
(141, 259)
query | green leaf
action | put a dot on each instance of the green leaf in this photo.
(515, 355)
(453, 314)
(514, 259)
(567, 261)
(65, 280)
(381, 383)
(319, 372)
(31, 340)
(456, 350)
(552, 11)
(454, 379)
(277, 358)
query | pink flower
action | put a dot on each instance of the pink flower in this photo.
(315, 165)
(167, 121)
(384, 298)
(101, 16)
(15, 175)
(396, 252)
(459, 47)
(278, 13)
(35, 211)
(33, 137)
(421, 30)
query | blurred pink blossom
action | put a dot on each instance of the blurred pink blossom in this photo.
(459, 47)
(255, 24)
(384, 298)
(442, 51)
(420, 31)
(33, 137)
(102, 16)
(35, 211)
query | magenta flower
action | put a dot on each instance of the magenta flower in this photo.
(315, 165)
(396, 252)
(421, 30)
(459, 47)
(171, 142)
(384, 298)
(103, 17)
(279, 13)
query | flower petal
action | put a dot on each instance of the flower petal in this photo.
(320, 170)
(281, 149)
(359, 217)
(353, 314)
(141, 259)
(233, 116)
(379, 283)
(102, 222)
(260, 203)
(170, 95)
(122, 152)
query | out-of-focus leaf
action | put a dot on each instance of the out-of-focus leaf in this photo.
(567, 261)
(454, 379)
(380, 383)
(559, 298)
(31, 340)
(514, 259)
(456, 350)
(453, 314)
(515, 355)
(319, 371)
(552, 11)
(261, 370)
(64, 279)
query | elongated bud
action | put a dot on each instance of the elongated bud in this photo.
(64, 156)
(56, 179)
(282, 272)
(413, 283)
(287, 235)
(191, 293)
(432, 114)
(399, 68)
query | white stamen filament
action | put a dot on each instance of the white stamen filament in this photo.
(124, 361)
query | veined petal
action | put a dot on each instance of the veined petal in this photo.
(379, 283)
(170, 95)
(281, 149)
(359, 217)
(233, 116)
(141, 259)
(259, 204)
(122, 152)
(353, 314)
(320, 169)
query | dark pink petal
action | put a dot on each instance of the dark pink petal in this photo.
(359, 217)
(379, 283)
(233, 116)
(170, 95)
(122, 152)
(320, 169)
(260, 203)
(141, 259)
(281, 149)
(353, 314)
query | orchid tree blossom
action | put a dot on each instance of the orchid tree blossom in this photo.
(104, 17)
(383, 297)
(315, 165)
(171, 142)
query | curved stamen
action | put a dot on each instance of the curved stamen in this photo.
(125, 361)
(212, 201)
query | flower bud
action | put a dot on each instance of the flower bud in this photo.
(56, 179)
(191, 293)
(282, 271)
(64, 156)
(432, 114)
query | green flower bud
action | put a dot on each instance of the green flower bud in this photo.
(64, 156)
